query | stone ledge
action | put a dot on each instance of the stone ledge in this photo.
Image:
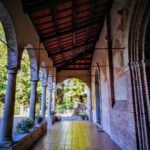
(29, 139)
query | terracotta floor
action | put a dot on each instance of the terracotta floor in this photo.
(75, 135)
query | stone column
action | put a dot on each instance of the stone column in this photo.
(43, 103)
(53, 100)
(32, 99)
(49, 118)
(49, 102)
(8, 113)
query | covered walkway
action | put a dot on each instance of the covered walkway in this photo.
(75, 135)
(104, 43)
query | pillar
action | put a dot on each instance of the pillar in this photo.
(53, 100)
(8, 112)
(43, 103)
(32, 99)
(49, 102)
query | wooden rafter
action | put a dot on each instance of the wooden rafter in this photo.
(72, 60)
(68, 29)
(71, 31)
(30, 6)
(84, 45)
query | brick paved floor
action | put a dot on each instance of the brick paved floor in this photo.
(75, 135)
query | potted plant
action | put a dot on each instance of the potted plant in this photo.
(38, 119)
(53, 113)
(84, 116)
(53, 116)
(24, 126)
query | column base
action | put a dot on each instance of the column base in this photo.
(6, 145)
(49, 122)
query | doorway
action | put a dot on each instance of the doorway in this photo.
(98, 100)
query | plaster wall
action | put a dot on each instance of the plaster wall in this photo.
(117, 120)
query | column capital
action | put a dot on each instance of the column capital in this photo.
(50, 86)
(34, 80)
(12, 69)
(44, 85)
(44, 82)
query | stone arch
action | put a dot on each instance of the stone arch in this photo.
(66, 78)
(10, 37)
(139, 68)
(33, 62)
(88, 100)
(12, 66)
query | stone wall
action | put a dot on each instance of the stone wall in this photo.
(118, 118)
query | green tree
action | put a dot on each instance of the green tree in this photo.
(23, 84)
(22, 81)
(3, 70)
(68, 91)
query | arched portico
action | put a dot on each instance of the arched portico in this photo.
(12, 66)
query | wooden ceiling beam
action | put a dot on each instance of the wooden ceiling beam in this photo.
(72, 60)
(73, 48)
(82, 64)
(98, 21)
(83, 68)
(34, 5)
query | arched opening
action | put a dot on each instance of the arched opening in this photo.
(3, 70)
(71, 98)
(9, 54)
(23, 86)
(26, 86)
(98, 100)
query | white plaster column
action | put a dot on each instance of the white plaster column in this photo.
(49, 102)
(50, 88)
(8, 112)
(53, 95)
(33, 99)
(43, 103)
(49, 118)
(53, 99)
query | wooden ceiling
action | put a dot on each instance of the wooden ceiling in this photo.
(69, 29)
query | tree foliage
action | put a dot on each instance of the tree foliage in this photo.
(69, 91)
(23, 77)
(3, 70)
(23, 83)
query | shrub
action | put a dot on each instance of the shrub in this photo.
(24, 126)
(84, 116)
(39, 119)
(53, 113)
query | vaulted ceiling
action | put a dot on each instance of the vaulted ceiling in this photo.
(69, 29)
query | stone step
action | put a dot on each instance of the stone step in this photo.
(70, 118)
